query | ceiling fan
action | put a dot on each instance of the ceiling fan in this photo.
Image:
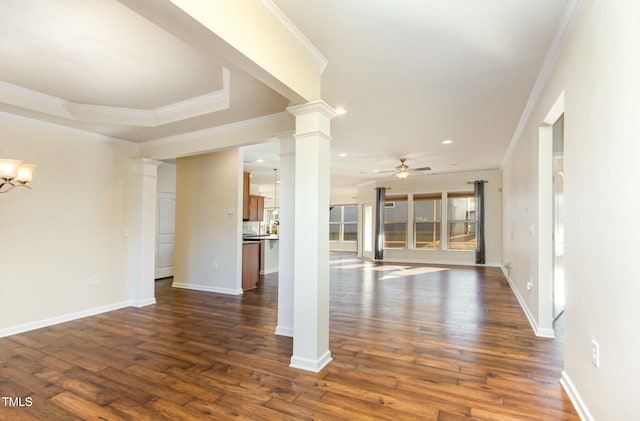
(403, 170)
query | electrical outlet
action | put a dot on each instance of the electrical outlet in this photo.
(530, 283)
(95, 280)
(595, 353)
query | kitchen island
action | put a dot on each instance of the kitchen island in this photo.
(268, 252)
(250, 264)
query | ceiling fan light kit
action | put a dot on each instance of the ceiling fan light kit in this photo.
(402, 171)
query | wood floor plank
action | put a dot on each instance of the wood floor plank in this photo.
(83, 408)
(407, 342)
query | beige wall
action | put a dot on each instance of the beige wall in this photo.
(598, 68)
(437, 183)
(69, 227)
(208, 237)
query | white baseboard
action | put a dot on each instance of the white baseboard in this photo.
(432, 262)
(63, 318)
(576, 399)
(143, 303)
(538, 331)
(284, 331)
(207, 288)
(311, 365)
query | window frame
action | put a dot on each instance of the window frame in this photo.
(469, 221)
(436, 222)
(341, 224)
(399, 198)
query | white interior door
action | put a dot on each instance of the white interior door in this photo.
(165, 234)
(367, 230)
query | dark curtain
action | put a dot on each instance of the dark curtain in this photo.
(379, 223)
(479, 196)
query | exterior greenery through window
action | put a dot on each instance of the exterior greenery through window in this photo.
(343, 223)
(395, 222)
(427, 220)
(462, 221)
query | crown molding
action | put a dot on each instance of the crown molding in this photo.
(543, 75)
(283, 21)
(212, 131)
(318, 106)
(90, 113)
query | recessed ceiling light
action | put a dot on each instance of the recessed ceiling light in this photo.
(454, 163)
(341, 111)
(447, 142)
(259, 160)
(342, 155)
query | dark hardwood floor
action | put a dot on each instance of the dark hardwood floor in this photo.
(408, 342)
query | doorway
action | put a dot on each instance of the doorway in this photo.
(550, 229)
(558, 217)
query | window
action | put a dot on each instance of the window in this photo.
(349, 223)
(343, 223)
(427, 220)
(395, 222)
(462, 221)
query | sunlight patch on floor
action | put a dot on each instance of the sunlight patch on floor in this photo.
(402, 272)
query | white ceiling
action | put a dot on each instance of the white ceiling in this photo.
(99, 66)
(413, 73)
(410, 74)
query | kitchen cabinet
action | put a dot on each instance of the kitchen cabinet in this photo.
(246, 180)
(256, 208)
(250, 264)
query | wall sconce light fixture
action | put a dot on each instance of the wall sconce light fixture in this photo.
(14, 173)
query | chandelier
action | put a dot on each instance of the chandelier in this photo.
(14, 173)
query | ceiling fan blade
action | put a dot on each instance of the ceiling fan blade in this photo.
(381, 172)
(421, 169)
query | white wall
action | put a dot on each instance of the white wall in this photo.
(208, 240)
(69, 227)
(598, 68)
(438, 183)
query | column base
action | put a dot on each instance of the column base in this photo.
(284, 331)
(311, 365)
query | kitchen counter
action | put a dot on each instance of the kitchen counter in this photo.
(257, 237)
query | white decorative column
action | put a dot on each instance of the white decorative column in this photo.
(286, 232)
(311, 260)
(143, 230)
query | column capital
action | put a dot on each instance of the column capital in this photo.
(147, 161)
(315, 106)
(147, 167)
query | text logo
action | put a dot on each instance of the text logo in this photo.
(17, 401)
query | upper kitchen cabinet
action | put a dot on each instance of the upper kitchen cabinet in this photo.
(252, 206)
(246, 212)
(256, 208)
